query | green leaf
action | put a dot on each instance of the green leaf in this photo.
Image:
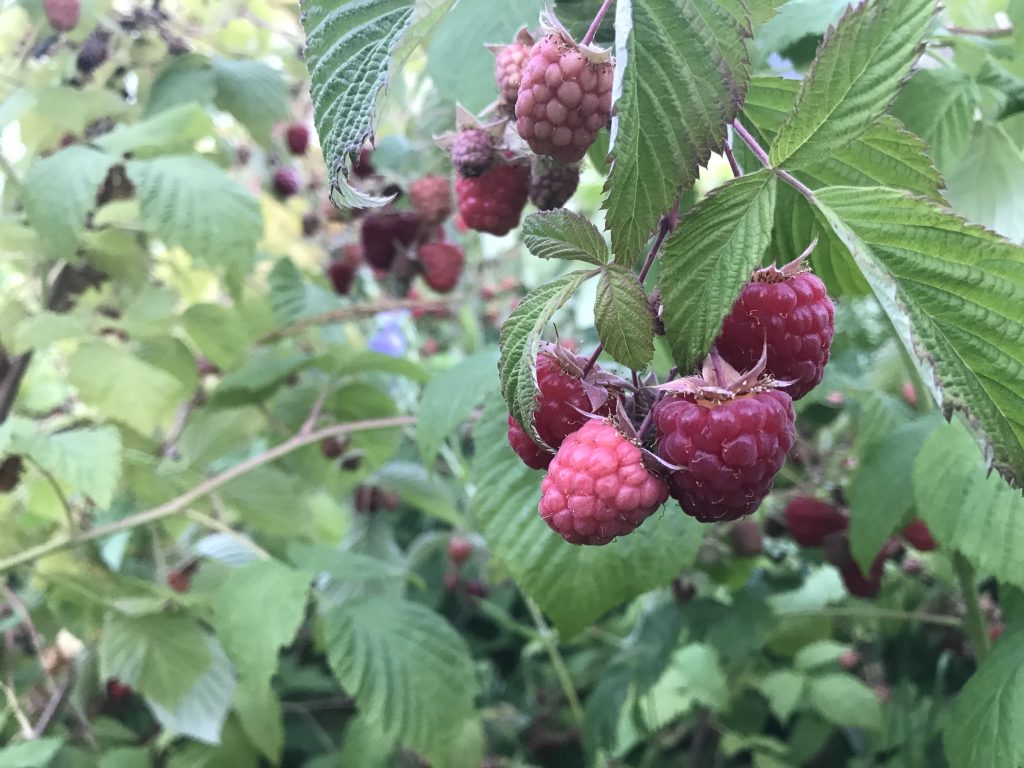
(410, 671)
(174, 130)
(287, 292)
(520, 340)
(845, 701)
(349, 48)
(257, 610)
(124, 388)
(784, 689)
(219, 332)
(42, 330)
(562, 234)
(819, 654)
(623, 318)
(190, 202)
(574, 586)
(797, 20)
(270, 500)
(681, 73)
(418, 487)
(953, 293)
(854, 79)
(967, 509)
(253, 92)
(987, 185)
(187, 79)
(938, 105)
(259, 714)
(450, 397)
(988, 715)
(87, 460)
(711, 255)
(59, 192)
(880, 496)
(343, 565)
(38, 753)
(160, 655)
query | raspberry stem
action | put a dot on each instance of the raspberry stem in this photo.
(731, 157)
(761, 155)
(592, 32)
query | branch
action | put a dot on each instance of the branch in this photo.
(762, 156)
(994, 32)
(355, 312)
(205, 488)
(596, 23)
(34, 638)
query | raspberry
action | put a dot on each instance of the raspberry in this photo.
(180, 580)
(794, 316)
(729, 451)
(310, 224)
(10, 473)
(564, 100)
(561, 397)
(296, 136)
(369, 498)
(553, 187)
(94, 51)
(508, 72)
(333, 447)
(431, 198)
(919, 536)
(476, 588)
(494, 202)
(597, 487)
(746, 538)
(384, 233)
(810, 520)
(62, 14)
(857, 583)
(363, 167)
(532, 454)
(286, 181)
(472, 152)
(459, 549)
(117, 691)
(442, 265)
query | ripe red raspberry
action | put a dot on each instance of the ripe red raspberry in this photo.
(532, 454)
(62, 14)
(342, 269)
(508, 72)
(729, 451)
(919, 536)
(369, 499)
(810, 520)
(431, 198)
(551, 188)
(494, 202)
(793, 314)
(857, 583)
(597, 487)
(117, 691)
(472, 152)
(459, 549)
(442, 265)
(564, 100)
(286, 181)
(296, 136)
(384, 233)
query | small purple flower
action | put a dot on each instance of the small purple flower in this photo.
(389, 340)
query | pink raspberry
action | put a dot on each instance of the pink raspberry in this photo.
(63, 15)
(729, 452)
(296, 136)
(508, 71)
(286, 181)
(564, 100)
(552, 188)
(472, 152)
(431, 198)
(597, 487)
(794, 316)
(494, 202)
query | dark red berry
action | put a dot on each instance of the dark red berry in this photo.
(683, 590)
(552, 187)
(442, 265)
(118, 692)
(10, 473)
(919, 536)
(794, 316)
(62, 14)
(94, 51)
(532, 454)
(179, 580)
(296, 136)
(286, 181)
(372, 499)
(729, 451)
(746, 538)
(473, 152)
(342, 274)
(431, 198)
(494, 202)
(332, 447)
(476, 588)
(459, 549)
(310, 224)
(810, 520)
(384, 233)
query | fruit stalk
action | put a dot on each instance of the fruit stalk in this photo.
(762, 156)
(592, 32)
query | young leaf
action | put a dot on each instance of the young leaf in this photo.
(623, 318)
(987, 186)
(706, 262)
(520, 339)
(845, 701)
(175, 129)
(259, 714)
(681, 74)
(953, 292)
(253, 92)
(60, 190)
(562, 234)
(967, 509)
(186, 79)
(409, 670)
(855, 78)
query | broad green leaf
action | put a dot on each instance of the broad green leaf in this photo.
(160, 655)
(253, 92)
(287, 292)
(259, 714)
(419, 488)
(220, 334)
(987, 185)
(38, 753)
(562, 234)
(938, 105)
(343, 565)
(880, 497)
(42, 330)
(257, 610)
(819, 654)
(410, 671)
(988, 714)
(174, 130)
(190, 202)
(59, 192)
(799, 19)
(122, 387)
(681, 73)
(708, 259)
(450, 397)
(693, 676)
(264, 370)
(270, 500)
(784, 689)
(126, 757)
(86, 461)
(855, 78)
(966, 508)
(520, 339)
(574, 586)
(623, 318)
(186, 79)
(845, 701)
(953, 292)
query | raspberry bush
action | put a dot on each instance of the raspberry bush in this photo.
(466, 384)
